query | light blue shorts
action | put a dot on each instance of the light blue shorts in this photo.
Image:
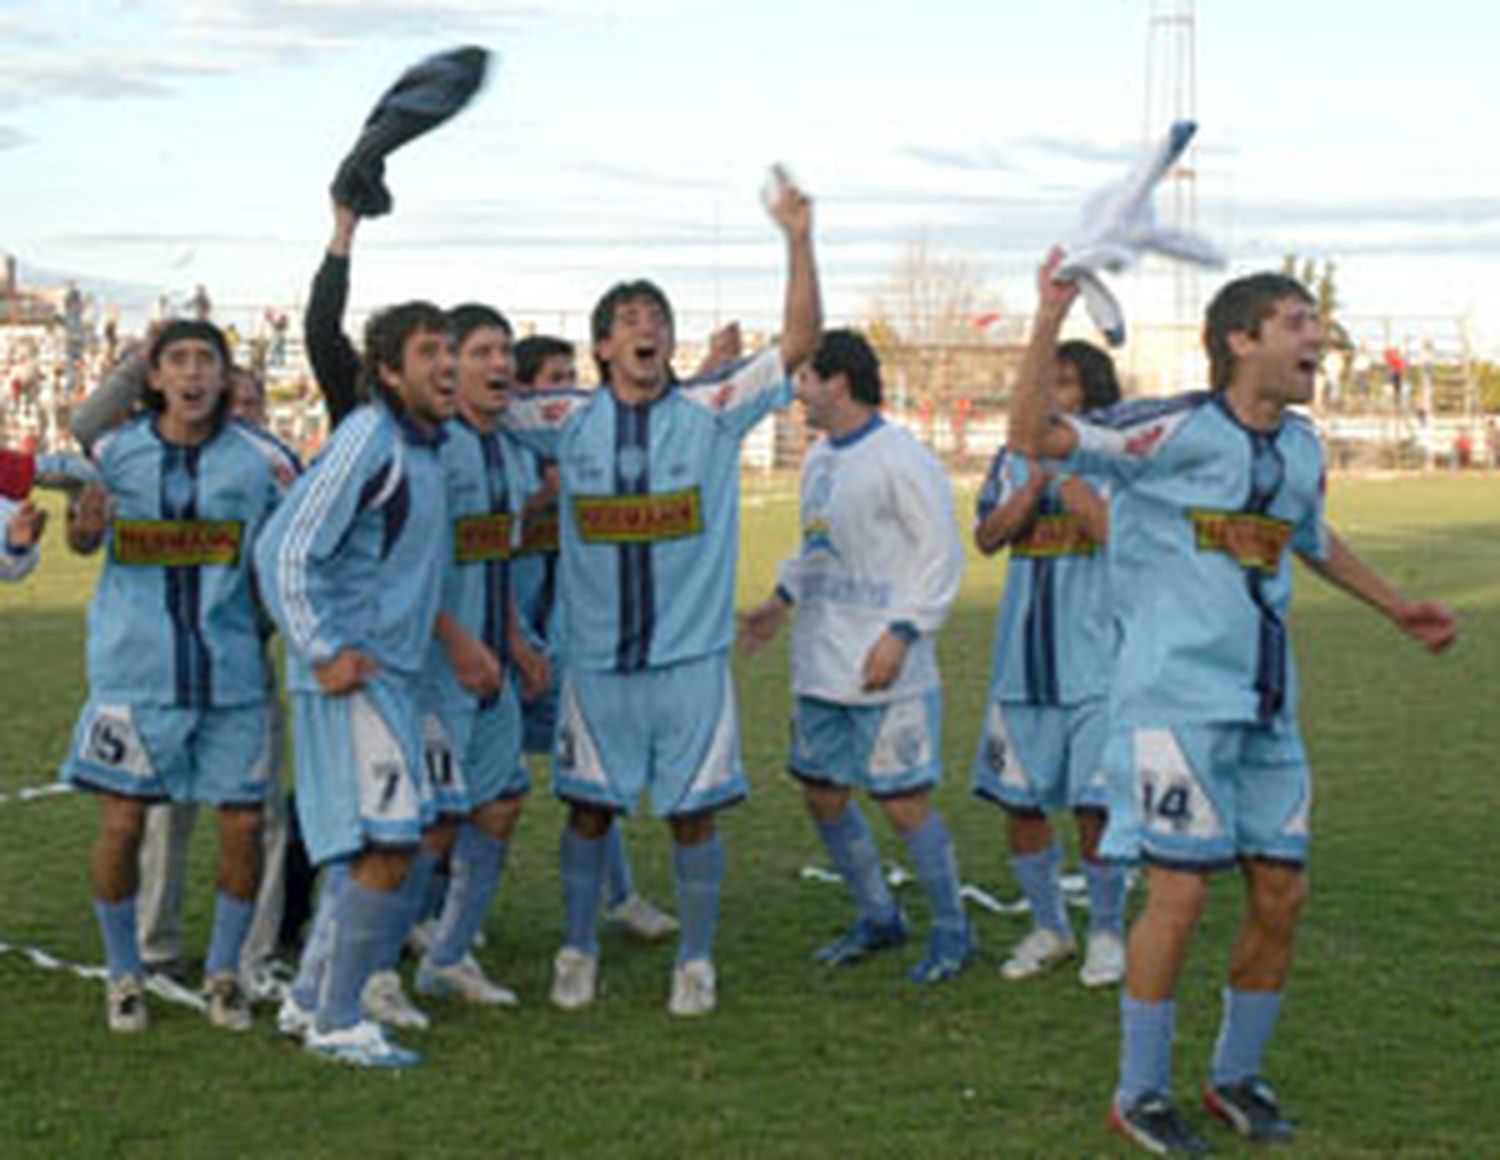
(670, 730)
(1203, 796)
(887, 750)
(216, 756)
(360, 777)
(473, 755)
(1040, 758)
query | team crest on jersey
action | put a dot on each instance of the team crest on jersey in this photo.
(1251, 540)
(817, 536)
(630, 462)
(178, 543)
(636, 519)
(1061, 534)
(484, 537)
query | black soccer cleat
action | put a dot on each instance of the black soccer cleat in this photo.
(1153, 1122)
(1251, 1108)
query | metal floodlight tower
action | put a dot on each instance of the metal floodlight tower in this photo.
(1172, 95)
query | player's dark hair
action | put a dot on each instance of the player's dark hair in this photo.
(189, 330)
(1241, 307)
(533, 352)
(386, 333)
(465, 319)
(849, 353)
(603, 318)
(1096, 372)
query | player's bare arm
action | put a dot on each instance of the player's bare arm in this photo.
(1426, 621)
(1011, 520)
(26, 528)
(88, 519)
(884, 661)
(531, 662)
(474, 663)
(802, 321)
(1088, 505)
(1034, 428)
(759, 625)
(345, 672)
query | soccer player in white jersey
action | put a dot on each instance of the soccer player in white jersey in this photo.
(1207, 769)
(879, 568)
(1043, 740)
(649, 474)
(178, 704)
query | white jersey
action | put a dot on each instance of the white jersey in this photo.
(14, 565)
(880, 550)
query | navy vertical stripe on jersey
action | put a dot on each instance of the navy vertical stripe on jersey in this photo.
(1041, 624)
(637, 585)
(496, 572)
(193, 674)
(1267, 473)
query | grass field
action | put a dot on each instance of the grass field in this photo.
(1389, 1045)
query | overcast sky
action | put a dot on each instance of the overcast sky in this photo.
(169, 142)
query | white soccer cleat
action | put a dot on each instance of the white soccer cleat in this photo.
(363, 1045)
(1038, 952)
(575, 979)
(384, 1001)
(293, 1019)
(638, 918)
(466, 980)
(227, 1001)
(695, 988)
(1103, 960)
(125, 1004)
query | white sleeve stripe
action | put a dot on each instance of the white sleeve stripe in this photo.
(291, 562)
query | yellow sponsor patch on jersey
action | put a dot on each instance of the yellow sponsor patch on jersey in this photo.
(1060, 534)
(540, 531)
(178, 543)
(1252, 541)
(477, 539)
(635, 519)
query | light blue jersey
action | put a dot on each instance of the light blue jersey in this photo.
(353, 559)
(174, 620)
(649, 513)
(1054, 638)
(1203, 510)
(484, 477)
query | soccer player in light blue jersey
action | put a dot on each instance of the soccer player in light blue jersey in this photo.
(1043, 740)
(178, 705)
(878, 570)
(351, 570)
(649, 505)
(543, 362)
(471, 701)
(1207, 769)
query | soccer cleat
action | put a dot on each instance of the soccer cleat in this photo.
(293, 1019)
(694, 988)
(575, 979)
(269, 980)
(1103, 961)
(862, 940)
(1038, 952)
(1153, 1122)
(420, 938)
(363, 1045)
(125, 1004)
(1251, 1108)
(464, 979)
(640, 919)
(228, 1003)
(385, 1002)
(948, 952)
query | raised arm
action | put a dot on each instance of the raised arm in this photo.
(114, 400)
(1426, 621)
(334, 360)
(802, 320)
(1034, 429)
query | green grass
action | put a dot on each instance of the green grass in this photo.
(1388, 1045)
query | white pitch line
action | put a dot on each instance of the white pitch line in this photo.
(158, 985)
